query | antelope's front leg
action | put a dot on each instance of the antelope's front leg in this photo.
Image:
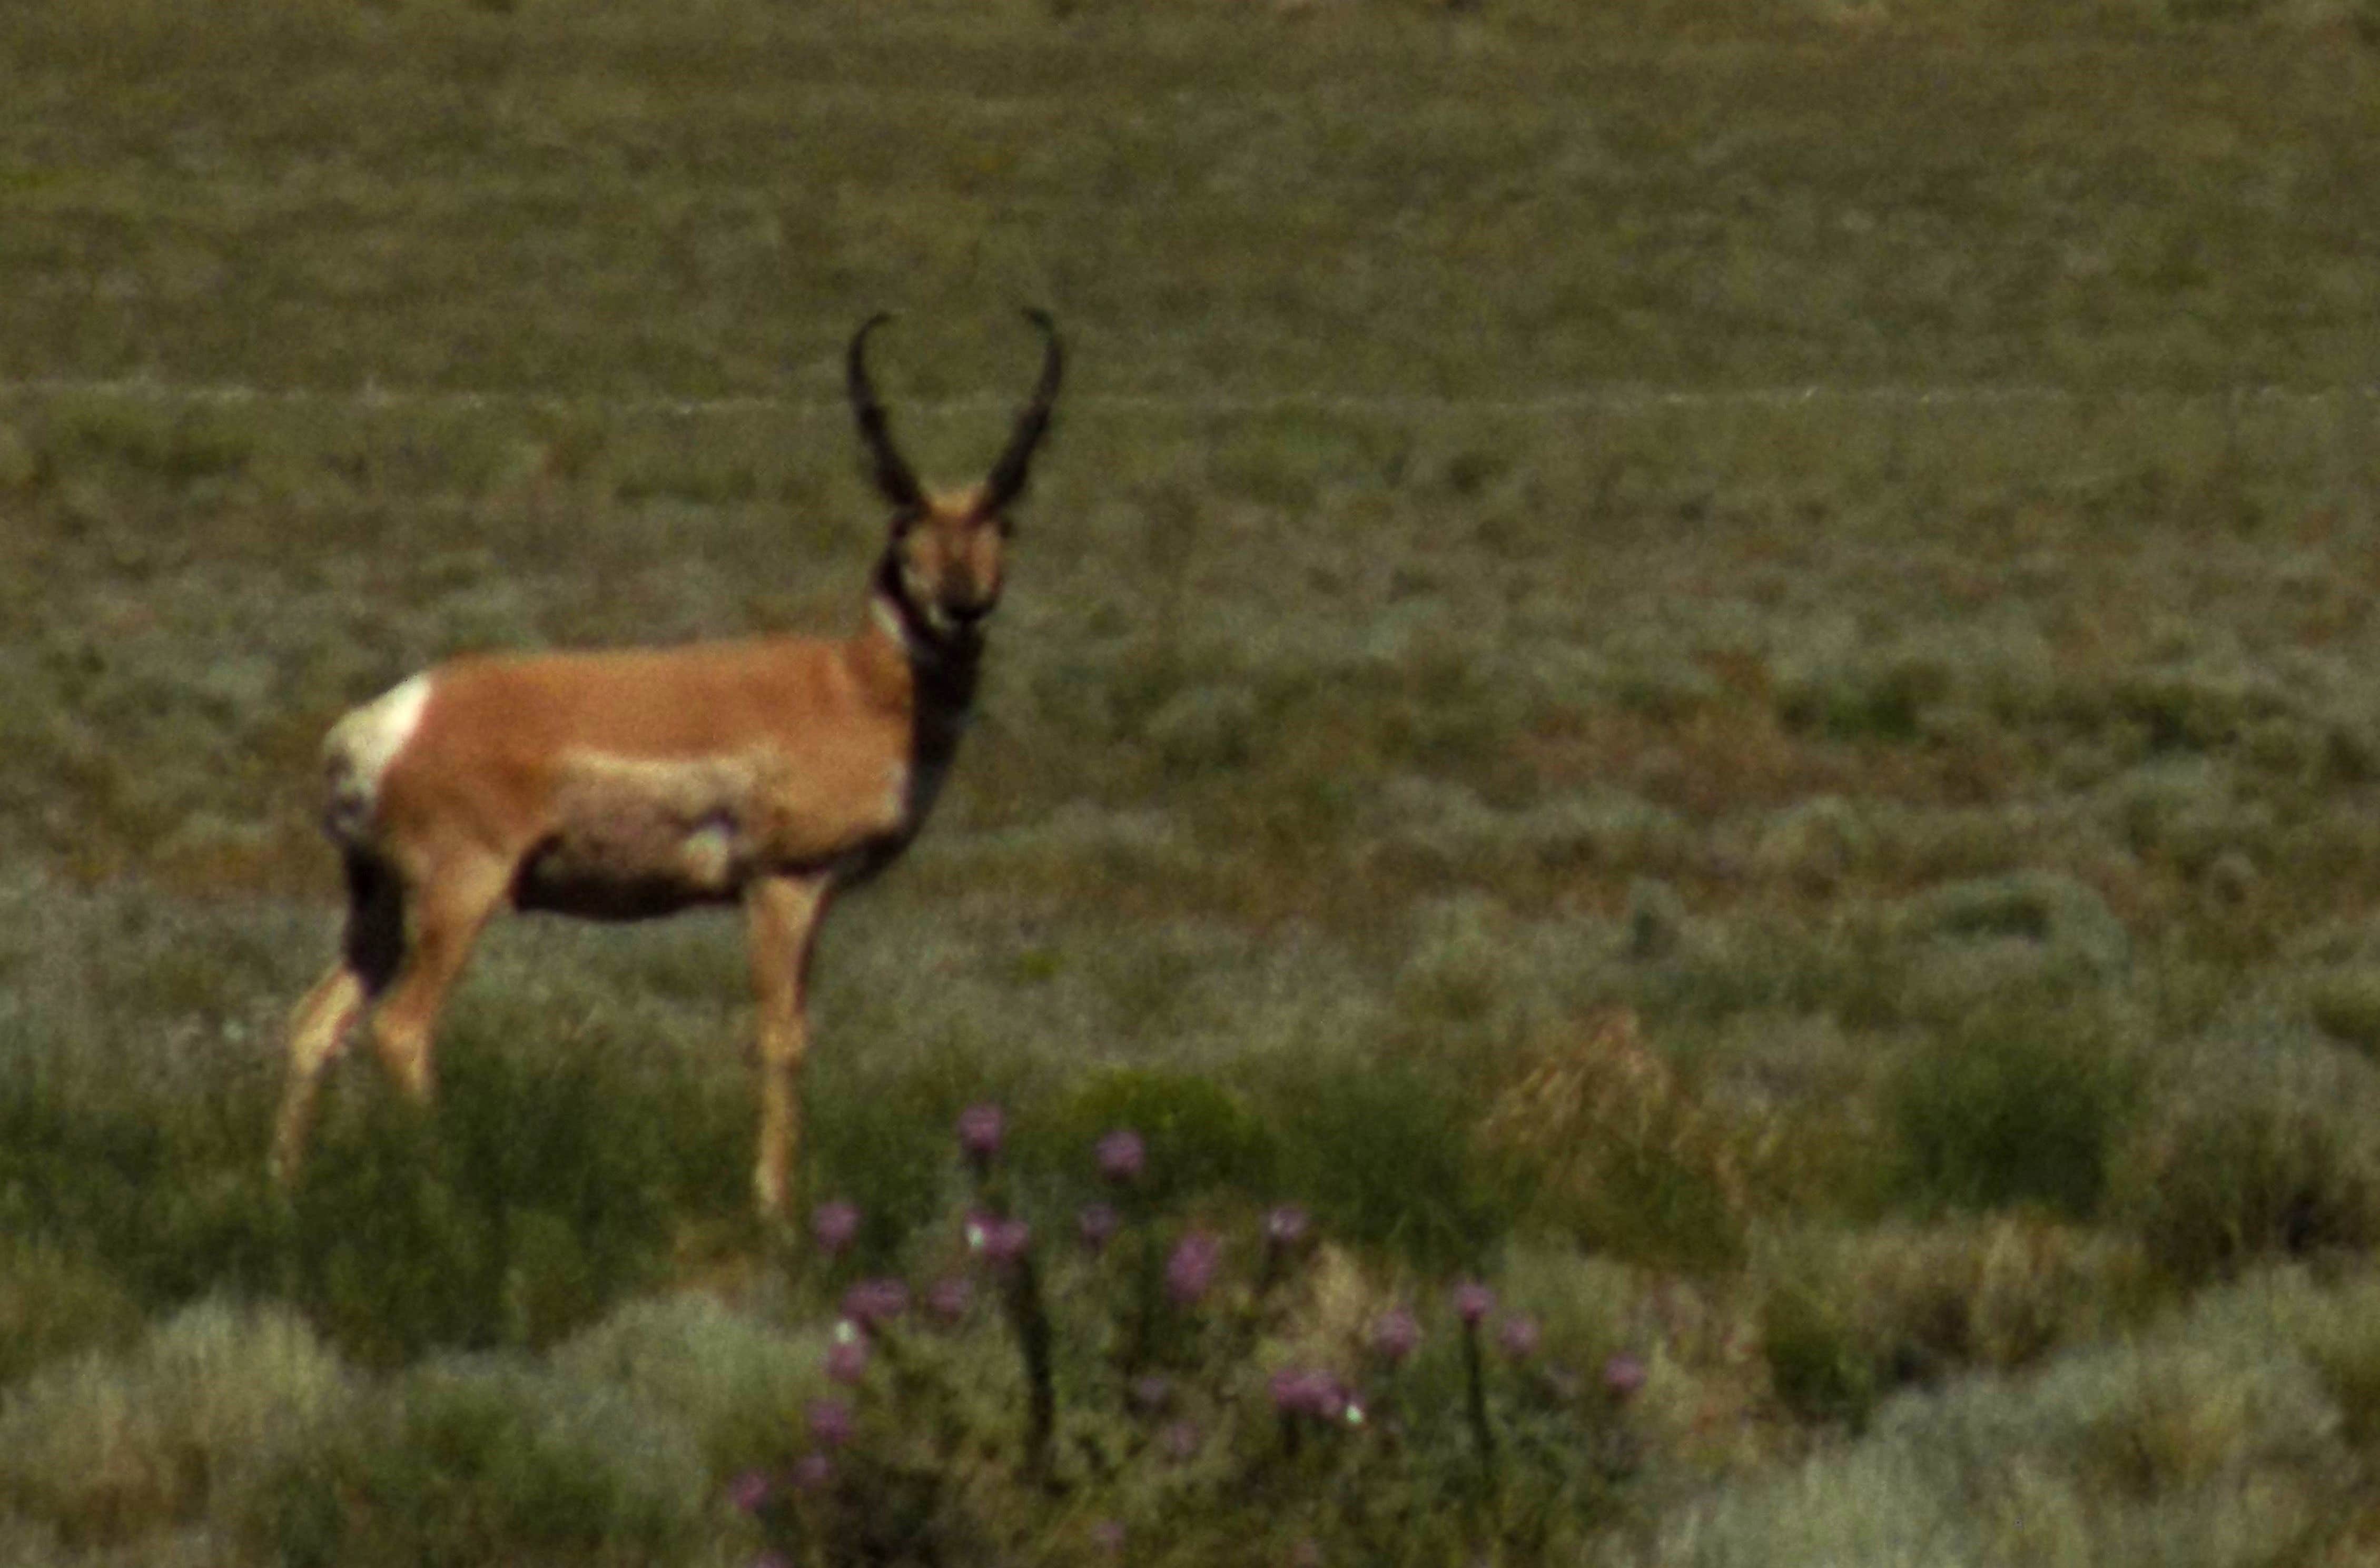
(318, 1032)
(783, 915)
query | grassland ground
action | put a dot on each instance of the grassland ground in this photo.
(1713, 662)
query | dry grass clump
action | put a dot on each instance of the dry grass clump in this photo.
(1625, 1158)
(2257, 1143)
(2337, 1327)
(1849, 1315)
(2345, 1004)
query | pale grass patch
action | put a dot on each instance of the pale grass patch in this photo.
(2208, 1442)
(108, 1447)
(53, 1303)
(473, 1459)
(728, 1376)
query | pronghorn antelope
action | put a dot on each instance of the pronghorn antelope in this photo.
(619, 785)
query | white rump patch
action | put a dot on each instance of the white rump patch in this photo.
(363, 744)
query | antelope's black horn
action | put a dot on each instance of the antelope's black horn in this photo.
(889, 471)
(1008, 475)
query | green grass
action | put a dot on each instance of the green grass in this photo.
(1840, 535)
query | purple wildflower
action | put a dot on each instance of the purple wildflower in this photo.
(834, 1226)
(1122, 1155)
(748, 1491)
(846, 1358)
(1395, 1334)
(981, 1129)
(1108, 1536)
(1152, 1391)
(1307, 1391)
(1517, 1335)
(1181, 1441)
(812, 1473)
(830, 1422)
(1097, 1224)
(1285, 1226)
(1623, 1375)
(1001, 1240)
(949, 1298)
(1306, 1553)
(1473, 1302)
(1190, 1271)
(872, 1302)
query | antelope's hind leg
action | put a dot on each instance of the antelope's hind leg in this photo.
(782, 914)
(444, 915)
(369, 951)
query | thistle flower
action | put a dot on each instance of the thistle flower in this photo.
(1306, 1391)
(1097, 1224)
(1623, 1375)
(1285, 1226)
(1473, 1302)
(949, 1298)
(1517, 1336)
(1122, 1155)
(834, 1226)
(1181, 1441)
(812, 1473)
(1152, 1391)
(830, 1422)
(981, 1129)
(748, 1491)
(1190, 1271)
(846, 1357)
(1000, 1239)
(1395, 1334)
(872, 1302)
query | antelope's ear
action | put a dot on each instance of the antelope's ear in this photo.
(1008, 475)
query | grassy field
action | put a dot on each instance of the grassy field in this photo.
(1709, 662)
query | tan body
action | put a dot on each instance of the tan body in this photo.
(771, 772)
(621, 785)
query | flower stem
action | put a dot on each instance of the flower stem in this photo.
(1030, 1317)
(1476, 1392)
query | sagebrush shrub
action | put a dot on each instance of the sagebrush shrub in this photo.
(465, 1461)
(2220, 1182)
(53, 1302)
(2016, 1105)
(109, 1446)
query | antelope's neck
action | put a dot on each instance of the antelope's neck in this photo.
(941, 665)
(936, 667)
